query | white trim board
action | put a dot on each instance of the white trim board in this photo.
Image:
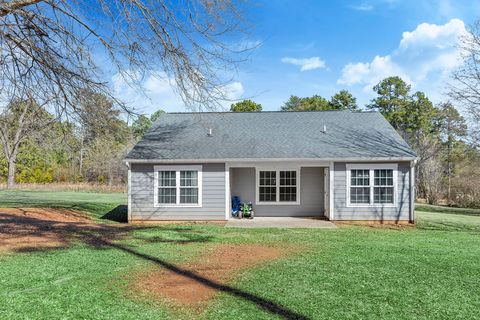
(326, 192)
(412, 191)
(284, 164)
(129, 193)
(331, 173)
(228, 196)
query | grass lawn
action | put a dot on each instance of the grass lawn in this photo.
(431, 271)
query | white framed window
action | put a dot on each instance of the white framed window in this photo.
(267, 186)
(277, 186)
(371, 185)
(178, 186)
(383, 187)
(360, 186)
(288, 186)
(167, 187)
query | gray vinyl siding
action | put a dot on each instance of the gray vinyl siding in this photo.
(242, 184)
(400, 212)
(213, 195)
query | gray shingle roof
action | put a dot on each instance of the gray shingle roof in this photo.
(265, 135)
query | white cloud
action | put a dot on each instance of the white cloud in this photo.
(152, 93)
(306, 64)
(245, 45)
(157, 91)
(362, 7)
(424, 57)
(432, 35)
(369, 73)
(233, 90)
(372, 4)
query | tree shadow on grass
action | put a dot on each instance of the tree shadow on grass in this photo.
(107, 211)
(188, 238)
(24, 230)
(448, 226)
(448, 210)
(263, 303)
(19, 231)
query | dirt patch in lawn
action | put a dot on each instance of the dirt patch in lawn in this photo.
(194, 284)
(33, 229)
(42, 214)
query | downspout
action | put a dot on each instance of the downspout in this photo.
(129, 192)
(412, 191)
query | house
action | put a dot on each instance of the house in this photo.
(338, 165)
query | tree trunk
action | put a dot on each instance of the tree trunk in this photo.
(82, 141)
(449, 190)
(110, 178)
(81, 162)
(11, 174)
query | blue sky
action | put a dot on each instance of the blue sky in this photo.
(320, 47)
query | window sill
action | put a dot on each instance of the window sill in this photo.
(159, 205)
(378, 205)
(277, 203)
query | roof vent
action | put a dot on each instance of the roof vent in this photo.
(210, 132)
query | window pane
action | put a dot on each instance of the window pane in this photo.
(189, 195)
(288, 178)
(383, 177)
(167, 195)
(288, 183)
(268, 194)
(268, 178)
(359, 177)
(383, 195)
(188, 178)
(166, 179)
(360, 195)
(267, 188)
(288, 194)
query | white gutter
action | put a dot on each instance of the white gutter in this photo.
(220, 160)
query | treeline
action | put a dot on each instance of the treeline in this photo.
(342, 100)
(85, 147)
(448, 158)
(89, 145)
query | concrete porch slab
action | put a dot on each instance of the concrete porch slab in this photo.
(280, 222)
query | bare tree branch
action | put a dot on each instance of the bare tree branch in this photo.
(9, 7)
(464, 88)
(53, 46)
